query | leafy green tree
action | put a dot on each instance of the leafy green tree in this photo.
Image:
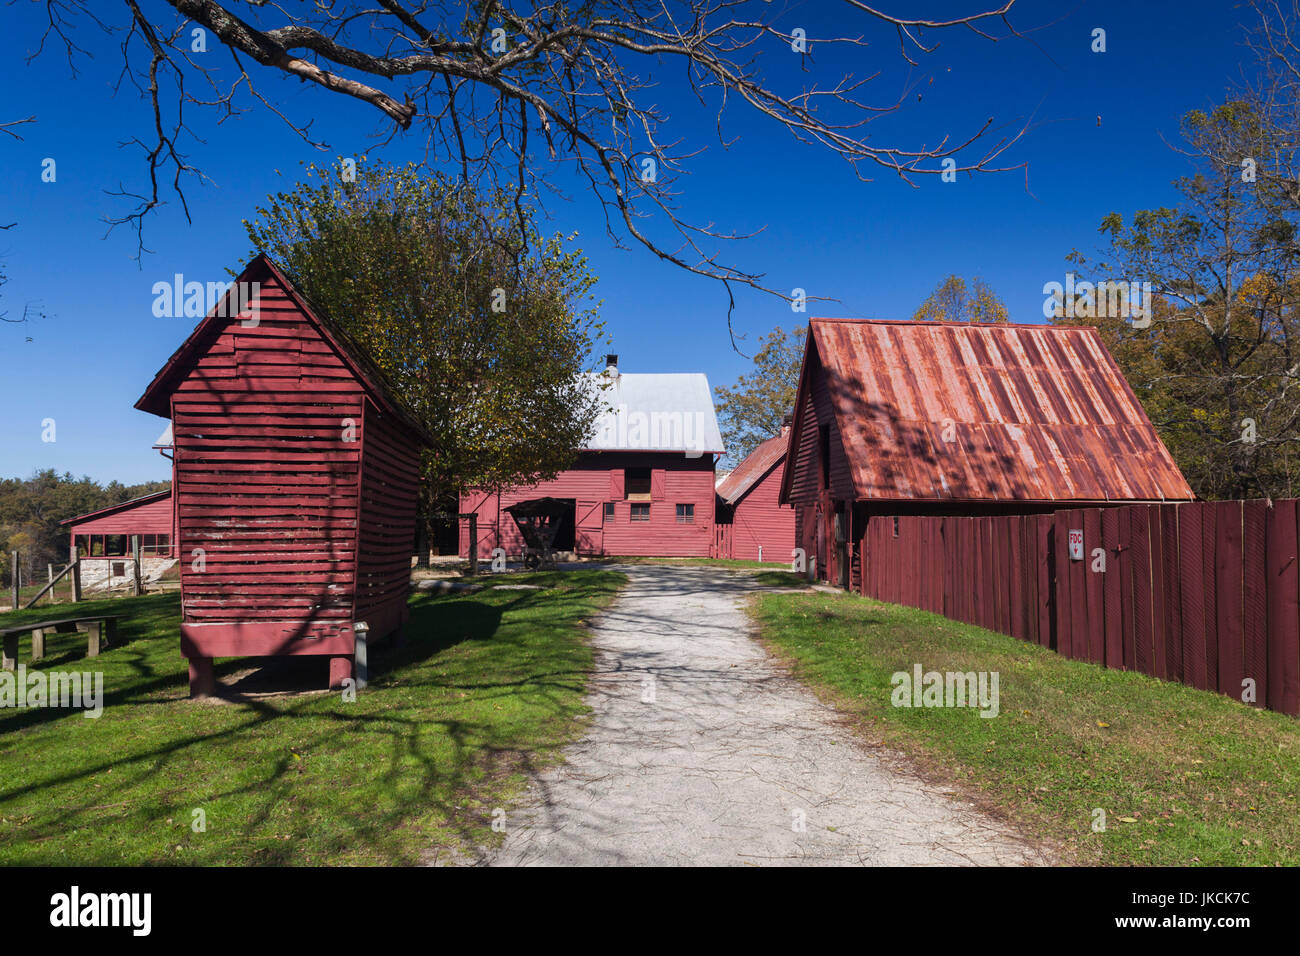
(31, 509)
(953, 301)
(752, 410)
(482, 326)
(1215, 354)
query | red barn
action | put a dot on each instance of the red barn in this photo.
(107, 533)
(948, 418)
(295, 477)
(753, 524)
(643, 485)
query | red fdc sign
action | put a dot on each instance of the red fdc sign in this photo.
(1076, 544)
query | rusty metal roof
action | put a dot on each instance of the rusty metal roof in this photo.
(756, 464)
(956, 411)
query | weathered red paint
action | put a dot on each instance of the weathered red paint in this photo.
(1159, 607)
(146, 515)
(596, 479)
(750, 497)
(295, 475)
(949, 418)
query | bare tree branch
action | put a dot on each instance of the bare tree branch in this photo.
(476, 77)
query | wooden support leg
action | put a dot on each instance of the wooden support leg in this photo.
(94, 632)
(340, 670)
(360, 659)
(202, 680)
(38, 644)
(10, 660)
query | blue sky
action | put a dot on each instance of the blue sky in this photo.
(877, 247)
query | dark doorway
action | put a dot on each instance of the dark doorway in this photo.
(564, 534)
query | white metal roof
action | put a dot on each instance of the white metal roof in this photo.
(656, 412)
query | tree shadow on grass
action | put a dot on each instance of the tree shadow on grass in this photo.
(431, 629)
(421, 743)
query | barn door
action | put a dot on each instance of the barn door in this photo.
(591, 529)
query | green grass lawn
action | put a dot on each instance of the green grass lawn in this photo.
(770, 574)
(702, 562)
(1184, 776)
(486, 690)
(60, 595)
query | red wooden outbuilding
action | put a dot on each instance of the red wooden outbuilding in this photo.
(901, 418)
(107, 533)
(295, 476)
(642, 485)
(753, 524)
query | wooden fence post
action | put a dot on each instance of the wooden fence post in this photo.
(13, 569)
(137, 586)
(473, 544)
(76, 573)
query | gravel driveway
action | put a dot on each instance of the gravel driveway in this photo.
(701, 751)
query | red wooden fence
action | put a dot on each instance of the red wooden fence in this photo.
(721, 541)
(1204, 593)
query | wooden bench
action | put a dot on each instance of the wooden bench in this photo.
(101, 630)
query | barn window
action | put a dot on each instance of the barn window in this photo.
(609, 511)
(640, 512)
(118, 568)
(686, 514)
(637, 484)
(895, 526)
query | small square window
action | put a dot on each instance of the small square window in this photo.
(609, 511)
(686, 514)
(640, 512)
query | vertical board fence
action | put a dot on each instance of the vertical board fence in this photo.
(721, 541)
(1203, 593)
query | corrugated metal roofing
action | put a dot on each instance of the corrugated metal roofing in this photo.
(934, 410)
(656, 412)
(756, 464)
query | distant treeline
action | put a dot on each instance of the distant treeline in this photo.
(31, 509)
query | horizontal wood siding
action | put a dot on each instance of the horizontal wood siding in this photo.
(152, 517)
(803, 458)
(266, 480)
(683, 481)
(806, 482)
(760, 520)
(390, 484)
